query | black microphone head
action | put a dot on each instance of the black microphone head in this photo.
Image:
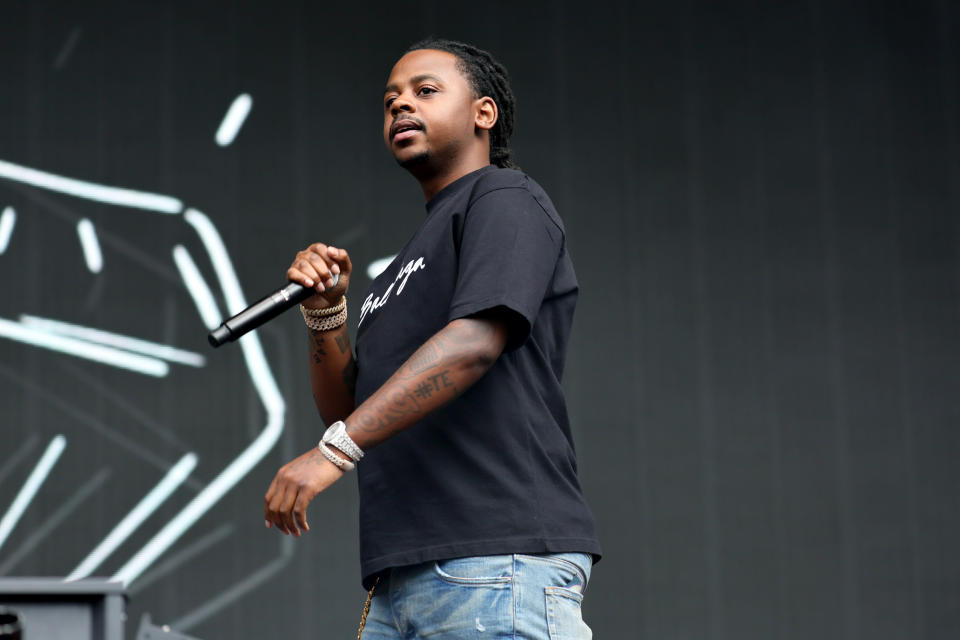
(219, 336)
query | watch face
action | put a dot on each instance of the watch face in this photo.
(123, 433)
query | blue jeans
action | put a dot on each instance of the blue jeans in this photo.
(508, 596)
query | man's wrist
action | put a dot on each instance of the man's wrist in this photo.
(317, 302)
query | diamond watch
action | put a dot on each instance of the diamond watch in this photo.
(336, 436)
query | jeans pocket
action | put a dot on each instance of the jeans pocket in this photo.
(564, 616)
(572, 569)
(476, 570)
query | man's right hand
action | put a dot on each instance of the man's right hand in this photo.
(314, 267)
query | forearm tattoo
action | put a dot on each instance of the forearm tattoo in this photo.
(318, 345)
(425, 357)
(318, 352)
(382, 413)
(435, 374)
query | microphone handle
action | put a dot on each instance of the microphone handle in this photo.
(258, 313)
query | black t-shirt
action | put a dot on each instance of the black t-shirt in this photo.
(494, 471)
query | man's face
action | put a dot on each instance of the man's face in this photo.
(428, 113)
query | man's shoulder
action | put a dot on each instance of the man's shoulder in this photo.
(497, 178)
(515, 183)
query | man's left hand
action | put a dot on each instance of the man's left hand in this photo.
(292, 489)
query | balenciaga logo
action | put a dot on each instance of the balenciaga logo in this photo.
(372, 304)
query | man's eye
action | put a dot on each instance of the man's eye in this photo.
(426, 90)
(388, 102)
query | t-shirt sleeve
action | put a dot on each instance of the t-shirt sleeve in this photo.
(508, 254)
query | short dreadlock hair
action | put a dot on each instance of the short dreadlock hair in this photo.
(489, 78)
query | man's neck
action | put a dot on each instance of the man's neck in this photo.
(433, 183)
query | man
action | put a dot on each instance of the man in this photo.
(471, 516)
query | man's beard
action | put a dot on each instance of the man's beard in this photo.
(413, 162)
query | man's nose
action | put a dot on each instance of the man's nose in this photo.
(401, 103)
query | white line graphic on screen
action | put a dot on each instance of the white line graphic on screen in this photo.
(8, 219)
(57, 518)
(83, 349)
(250, 347)
(150, 502)
(90, 245)
(31, 486)
(198, 288)
(266, 388)
(90, 190)
(116, 340)
(237, 590)
(234, 119)
(68, 48)
(176, 559)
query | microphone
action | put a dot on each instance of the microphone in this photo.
(264, 310)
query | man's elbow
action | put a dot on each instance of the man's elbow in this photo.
(483, 359)
(483, 340)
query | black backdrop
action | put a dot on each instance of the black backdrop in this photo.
(762, 204)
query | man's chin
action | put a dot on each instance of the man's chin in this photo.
(414, 161)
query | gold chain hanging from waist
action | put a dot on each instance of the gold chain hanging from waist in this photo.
(366, 608)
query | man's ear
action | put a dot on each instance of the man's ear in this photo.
(486, 113)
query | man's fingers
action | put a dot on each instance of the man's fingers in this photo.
(295, 275)
(329, 258)
(341, 259)
(275, 509)
(294, 487)
(300, 508)
(323, 268)
(286, 510)
(314, 267)
(267, 499)
(332, 253)
(304, 272)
